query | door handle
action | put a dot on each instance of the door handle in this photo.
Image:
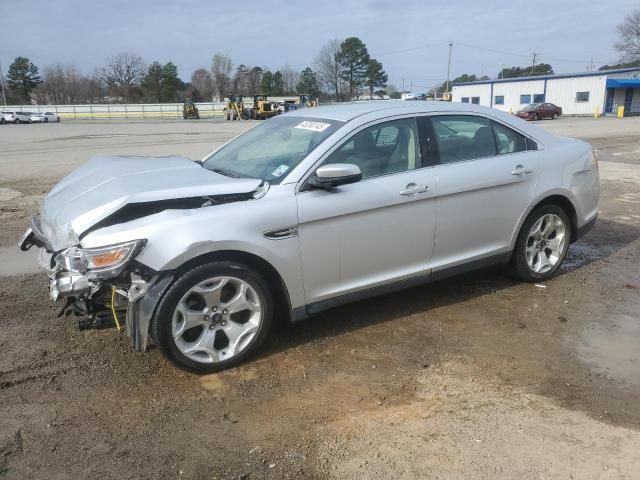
(413, 189)
(520, 171)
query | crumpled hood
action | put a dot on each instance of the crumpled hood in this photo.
(105, 184)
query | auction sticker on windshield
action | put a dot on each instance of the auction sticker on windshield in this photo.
(280, 170)
(314, 126)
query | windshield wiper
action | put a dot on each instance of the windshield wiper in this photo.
(226, 173)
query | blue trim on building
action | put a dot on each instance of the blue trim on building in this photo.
(550, 77)
(623, 83)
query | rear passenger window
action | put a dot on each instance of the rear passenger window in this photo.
(463, 137)
(507, 140)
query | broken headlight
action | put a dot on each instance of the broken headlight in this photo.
(106, 261)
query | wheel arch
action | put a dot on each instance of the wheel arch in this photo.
(557, 198)
(282, 299)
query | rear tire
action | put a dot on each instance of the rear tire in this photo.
(542, 244)
(17, 121)
(555, 116)
(201, 348)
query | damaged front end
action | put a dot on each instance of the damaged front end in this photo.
(104, 286)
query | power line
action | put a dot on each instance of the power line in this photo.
(413, 48)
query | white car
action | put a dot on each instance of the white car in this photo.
(44, 117)
(14, 117)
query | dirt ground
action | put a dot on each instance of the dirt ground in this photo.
(473, 377)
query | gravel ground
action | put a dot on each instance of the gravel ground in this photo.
(473, 377)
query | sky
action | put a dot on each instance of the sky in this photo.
(409, 37)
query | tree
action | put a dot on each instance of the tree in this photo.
(170, 83)
(329, 69)
(464, 78)
(289, 80)
(122, 70)
(266, 84)
(629, 31)
(633, 64)
(354, 60)
(308, 82)
(255, 79)
(161, 83)
(393, 92)
(63, 84)
(376, 77)
(278, 84)
(221, 66)
(22, 78)
(202, 82)
(514, 72)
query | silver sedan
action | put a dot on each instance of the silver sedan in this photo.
(304, 212)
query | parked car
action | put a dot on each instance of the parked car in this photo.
(305, 212)
(14, 117)
(539, 111)
(44, 117)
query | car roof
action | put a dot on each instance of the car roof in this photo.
(345, 112)
(380, 109)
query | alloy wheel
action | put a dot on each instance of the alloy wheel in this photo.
(216, 319)
(545, 243)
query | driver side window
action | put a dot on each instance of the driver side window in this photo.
(381, 149)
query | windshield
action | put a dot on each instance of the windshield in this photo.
(271, 150)
(533, 106)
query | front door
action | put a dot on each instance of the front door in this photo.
(608, 106)
(486, 180)
(373, 232)
(628, 101)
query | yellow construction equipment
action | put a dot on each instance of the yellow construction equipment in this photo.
(189, 109)
(262, 108)
(234, 108)
(308, 100)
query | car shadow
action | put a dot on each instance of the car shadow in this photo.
(607, 238)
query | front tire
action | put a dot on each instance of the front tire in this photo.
(213, 317)
(46, 120)
(542, 244)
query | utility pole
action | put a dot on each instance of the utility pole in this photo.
(449, 68)
(533, 62)
(403, 90)
(4, 96)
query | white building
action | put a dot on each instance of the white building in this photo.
(577, 93)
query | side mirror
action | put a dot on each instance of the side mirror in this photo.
(334, 175)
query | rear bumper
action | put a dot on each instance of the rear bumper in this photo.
(586, 228)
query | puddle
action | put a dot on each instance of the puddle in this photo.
(613, 349)
(14, 261)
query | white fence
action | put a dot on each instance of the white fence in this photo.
(121, 111)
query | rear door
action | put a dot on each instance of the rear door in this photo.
(374, 232)
(486, 180)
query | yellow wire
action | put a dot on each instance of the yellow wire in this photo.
(113, 308)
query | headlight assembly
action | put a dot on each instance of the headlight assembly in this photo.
(107, 260)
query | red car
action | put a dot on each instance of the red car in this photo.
(538, 111)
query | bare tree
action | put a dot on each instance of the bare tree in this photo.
(122, 70)
(328, 68)
(221, 66)
(629, 31)
(203, 83)
(63, 84)
(290, 79)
